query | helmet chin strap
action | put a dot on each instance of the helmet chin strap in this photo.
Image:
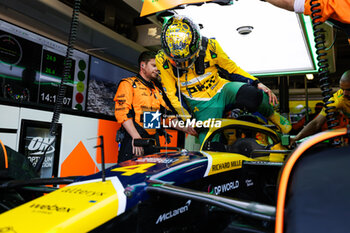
(188, 91)
(179, 88)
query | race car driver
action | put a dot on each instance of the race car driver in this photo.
(336, 11)
(195, 65)
(341, 104)
(136, 95)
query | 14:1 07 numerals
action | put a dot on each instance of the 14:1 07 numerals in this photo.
(52, 98)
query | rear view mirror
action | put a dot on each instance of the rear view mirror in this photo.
(285, 140)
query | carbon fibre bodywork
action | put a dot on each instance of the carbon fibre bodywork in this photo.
(181, 191)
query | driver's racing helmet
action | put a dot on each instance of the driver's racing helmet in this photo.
(297, 113)
(181, 41)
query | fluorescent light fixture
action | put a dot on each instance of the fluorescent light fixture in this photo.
(309, 76)
(276, 44)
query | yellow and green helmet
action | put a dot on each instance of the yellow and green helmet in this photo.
(181, 41)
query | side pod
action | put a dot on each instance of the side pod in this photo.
(247, 208)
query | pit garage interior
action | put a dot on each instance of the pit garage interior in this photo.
(106, 26)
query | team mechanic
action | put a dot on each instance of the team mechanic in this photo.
(195, 65)
(136, 95)
(340, 102)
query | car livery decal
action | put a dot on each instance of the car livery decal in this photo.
(174, 168)
(223, 188)
(221, 162)
(173, 213)
(118, 188)
(75, 208)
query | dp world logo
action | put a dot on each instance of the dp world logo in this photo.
(151, 120)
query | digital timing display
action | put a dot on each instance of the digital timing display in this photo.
(51, 75)
(32, 67)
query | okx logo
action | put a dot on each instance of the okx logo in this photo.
(151, 120)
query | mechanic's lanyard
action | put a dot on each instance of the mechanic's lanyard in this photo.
(149, 85)
(179, 89)
(154, 93)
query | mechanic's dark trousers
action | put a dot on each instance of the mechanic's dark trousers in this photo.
(125, 150)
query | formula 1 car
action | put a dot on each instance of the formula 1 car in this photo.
(221, 188)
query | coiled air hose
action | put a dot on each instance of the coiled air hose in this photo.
(67, 67)
(62, 88)
(323, 71)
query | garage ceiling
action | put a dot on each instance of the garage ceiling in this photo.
(113, 30)
(272, 24)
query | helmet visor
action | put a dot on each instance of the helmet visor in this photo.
(183, 63)
(178, 41)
